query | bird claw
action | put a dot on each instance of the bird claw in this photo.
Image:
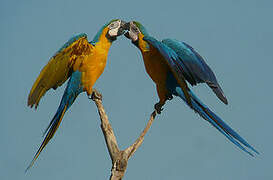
(169, 96)
(95, 95)
(158, 108)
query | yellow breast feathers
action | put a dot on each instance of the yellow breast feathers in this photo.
(93, 66)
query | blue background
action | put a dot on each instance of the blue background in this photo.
(235, 37)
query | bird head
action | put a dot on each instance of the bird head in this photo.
(116, 28)
(135, 31)
(112, 30)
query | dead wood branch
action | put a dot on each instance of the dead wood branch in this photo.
(119, 157)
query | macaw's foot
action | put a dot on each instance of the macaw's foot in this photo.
(158, 108)
(169, 96)
(95, 95)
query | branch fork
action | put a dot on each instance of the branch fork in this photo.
(119, 157)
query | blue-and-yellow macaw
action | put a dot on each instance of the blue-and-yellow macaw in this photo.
(81, 61)
(170, 63)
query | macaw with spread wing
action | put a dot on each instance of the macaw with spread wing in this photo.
(170, 63)
(81, 61)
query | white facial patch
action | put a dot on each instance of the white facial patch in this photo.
(114, 27)
(113, 32)
(133, 36)
(133, 33)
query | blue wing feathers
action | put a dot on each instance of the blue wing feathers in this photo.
(192, 60)
(176, 67)
(169, 55)
(197, 69)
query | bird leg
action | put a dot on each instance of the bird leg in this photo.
(95, 95)
(158, 107)
(169, 96)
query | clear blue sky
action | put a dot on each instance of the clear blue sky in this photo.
(235, 38)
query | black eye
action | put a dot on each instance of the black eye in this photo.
(113, 25)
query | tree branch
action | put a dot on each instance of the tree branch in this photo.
(106, 127)
(119, 158)
(131, 149)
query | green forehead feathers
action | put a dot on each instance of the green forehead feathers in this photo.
(110, 22)
(141, 28)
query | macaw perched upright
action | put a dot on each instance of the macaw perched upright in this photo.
(81, 61)
(170, 63)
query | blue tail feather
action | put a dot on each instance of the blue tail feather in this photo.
(211, 117)
(226, 127)
(71, 92)
(73, 89)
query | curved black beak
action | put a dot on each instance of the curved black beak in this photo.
(123, 28)
(127, 27)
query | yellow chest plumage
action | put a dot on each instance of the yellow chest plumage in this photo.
(93, 64)
(154, 62)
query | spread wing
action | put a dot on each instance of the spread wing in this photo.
(59, 67)
(197, 71)
(176, 67)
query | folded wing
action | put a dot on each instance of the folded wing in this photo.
(174, 64)
(59, 67)
(196, 70)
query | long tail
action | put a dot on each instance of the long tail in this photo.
(72, 90)
(216, 121)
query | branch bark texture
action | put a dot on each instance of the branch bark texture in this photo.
(119, 157)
